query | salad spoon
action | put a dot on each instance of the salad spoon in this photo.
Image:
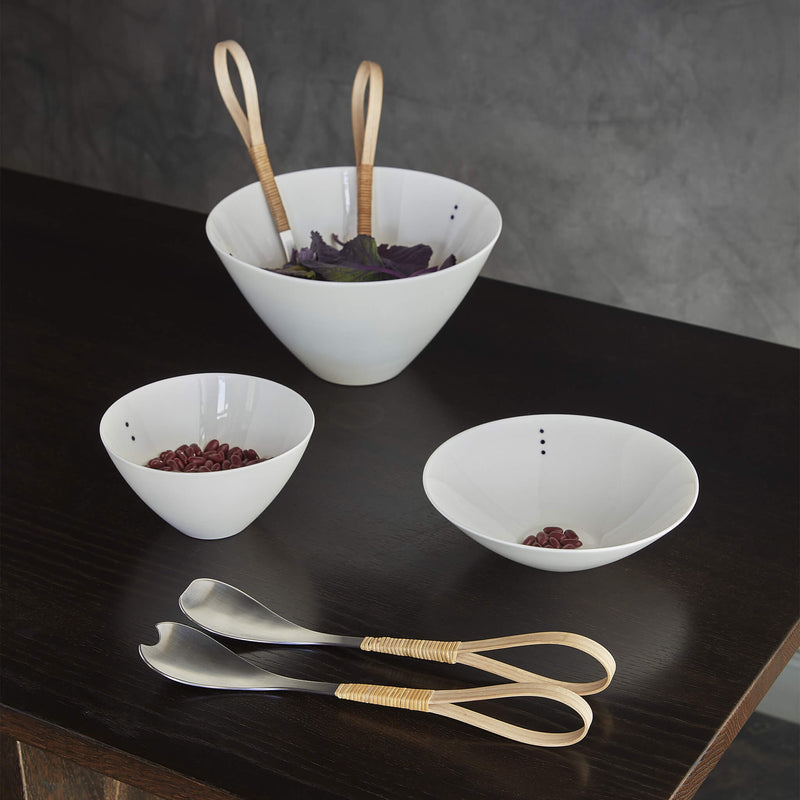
(189, 656)
(365, 135)
(225, 610)
(249, 125)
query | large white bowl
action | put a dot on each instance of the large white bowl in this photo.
(619, 487)
(241, 410)
(366, 332)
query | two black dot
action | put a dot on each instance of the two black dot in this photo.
(453, 216)
(127, 425)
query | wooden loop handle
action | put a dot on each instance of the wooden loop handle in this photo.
(445, 703)
(249, 122)
(365, 135)
(468, 653)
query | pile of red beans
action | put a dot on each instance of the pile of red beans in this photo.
(554, 538)
(212, 458)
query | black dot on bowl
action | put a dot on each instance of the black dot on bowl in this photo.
(541, 441)
(456, 207)
(452, 216)
(543, 452)
(541, 430)
(127, 424)
(133, 438)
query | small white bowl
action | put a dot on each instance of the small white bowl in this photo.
(367, 332)
(239, 410)
(617, 486)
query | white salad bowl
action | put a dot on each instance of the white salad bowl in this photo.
(364, 332)
(240, 410)
(617, 486)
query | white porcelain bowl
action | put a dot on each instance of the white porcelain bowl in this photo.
(617, 486)
(239, 410)
(366, 332)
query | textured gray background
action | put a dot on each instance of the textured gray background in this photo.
(643, 154)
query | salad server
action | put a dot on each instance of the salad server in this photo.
(249, 124)
(187, 655)
(225, 610)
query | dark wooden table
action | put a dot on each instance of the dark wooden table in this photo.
(103, 293)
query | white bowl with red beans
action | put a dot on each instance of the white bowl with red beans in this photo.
(363, 332)
(561, 492)
(208, 452)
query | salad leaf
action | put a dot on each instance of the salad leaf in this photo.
(359, 259)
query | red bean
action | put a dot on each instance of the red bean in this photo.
(554, 538)
(215, 457)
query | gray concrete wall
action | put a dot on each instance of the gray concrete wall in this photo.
(643, 154)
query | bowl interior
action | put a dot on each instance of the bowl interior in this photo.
(408, 207)
(242, 410)
(613, 483)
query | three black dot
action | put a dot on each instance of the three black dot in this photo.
(542, 441)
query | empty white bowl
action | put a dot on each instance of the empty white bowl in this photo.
(239, 410)
(367, 332)
(617, 486)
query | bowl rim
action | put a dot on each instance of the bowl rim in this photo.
(553, 553)
(204, 475)
(347, 285)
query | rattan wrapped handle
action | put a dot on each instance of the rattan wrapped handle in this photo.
(445, 703)
(365, 135)
(248, 122)
(469, 653)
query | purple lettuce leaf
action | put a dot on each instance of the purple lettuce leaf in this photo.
(359, 259)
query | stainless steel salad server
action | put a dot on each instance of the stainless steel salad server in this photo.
(225, 610)
(189, 656)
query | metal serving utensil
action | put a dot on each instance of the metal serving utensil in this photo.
(189, 656)
(225, 610)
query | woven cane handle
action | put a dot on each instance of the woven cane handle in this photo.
(445, 703)
(424, 649)
(365, 135)
(468, 653)
(249, 122)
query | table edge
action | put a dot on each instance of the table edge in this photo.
(740, 714)
(109, 761)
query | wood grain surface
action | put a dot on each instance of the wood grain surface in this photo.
(103, 293)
